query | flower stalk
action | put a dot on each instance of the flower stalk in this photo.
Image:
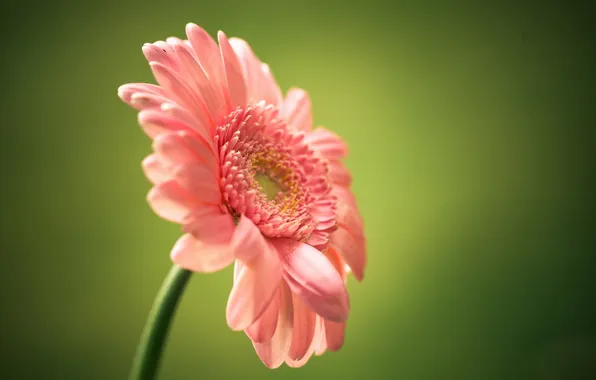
(155, 333)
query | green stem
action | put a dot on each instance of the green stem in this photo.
(156, 330)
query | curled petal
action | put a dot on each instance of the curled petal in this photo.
(314, 279)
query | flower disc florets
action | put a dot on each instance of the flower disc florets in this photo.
(268, 173)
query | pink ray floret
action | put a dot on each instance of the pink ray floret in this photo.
(249, 180)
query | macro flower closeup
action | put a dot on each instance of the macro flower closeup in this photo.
(240, 167)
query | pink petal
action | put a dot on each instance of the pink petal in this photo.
(313, 278)
(320, 337)
(142, 95)
(304, 329)
(238, 266)
(198, 79)
(327, 143)
(349, 240)
(296, 109)
(334, 335)
(348, 208)
(264, 327)
(299, 363)
(211, 225)
(173, 41)
(233, 70)
(251, 68)
(351, 249)
(208, 54)
(199, 181)
(126, 91)
(273, 352)
(334, 331)
(269, 86)
(191, 253)
(248, 241)
(339, 174)
(154, 123)
(179, 89)
(160, 52)
(253, 289)
(143, 100)
(154, 169)
(178, 112)
(170, 201)
(318, 239)
(182, 147)
(204, 151)
(170, 117)
(260, 84)
(205, 247)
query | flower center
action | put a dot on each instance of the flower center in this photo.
(269, 186)
(271, 174)
(268, 173)
(278, 181)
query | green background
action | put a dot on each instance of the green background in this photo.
(472, 133)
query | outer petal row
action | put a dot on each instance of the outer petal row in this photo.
(310, 332)
(201, 79)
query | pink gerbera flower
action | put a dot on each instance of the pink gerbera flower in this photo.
(240, 168)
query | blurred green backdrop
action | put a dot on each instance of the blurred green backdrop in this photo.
(471, 128)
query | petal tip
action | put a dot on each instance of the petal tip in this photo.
(232, 324)
(175, 254)
(359, 275)
(123, 93)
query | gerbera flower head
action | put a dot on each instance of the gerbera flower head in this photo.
(240, 168)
